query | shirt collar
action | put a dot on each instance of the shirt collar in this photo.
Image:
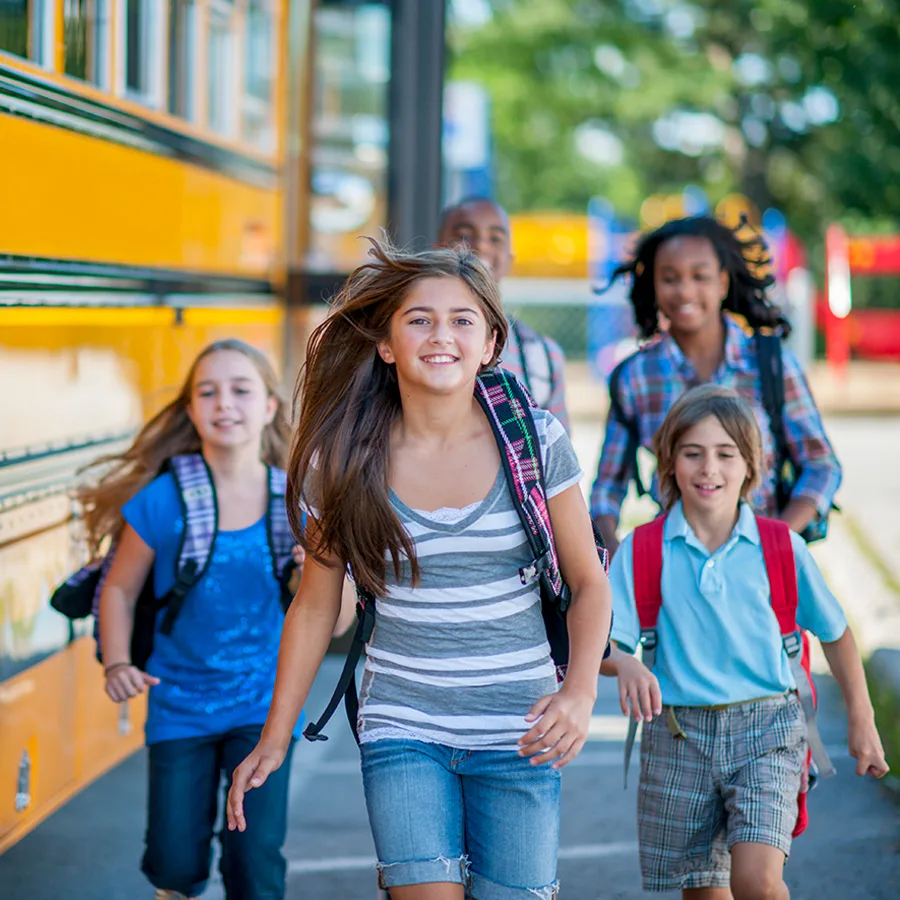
(736, 347)
(677, 526)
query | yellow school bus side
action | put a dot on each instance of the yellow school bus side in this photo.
(116, 204)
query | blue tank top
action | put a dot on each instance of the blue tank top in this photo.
(217, 667)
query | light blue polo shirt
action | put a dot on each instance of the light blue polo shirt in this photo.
(718, 639)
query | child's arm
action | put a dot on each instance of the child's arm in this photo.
(348, 608)
(639, 691)
(308, 627)
(121, 589)
(564, 717)
(862, 735)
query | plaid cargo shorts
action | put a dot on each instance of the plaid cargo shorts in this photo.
(712, 778)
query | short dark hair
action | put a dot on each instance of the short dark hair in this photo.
(448, 211)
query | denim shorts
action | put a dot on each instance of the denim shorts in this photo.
(487, 819)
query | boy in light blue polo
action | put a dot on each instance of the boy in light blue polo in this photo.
(722, 769)
(715, 647)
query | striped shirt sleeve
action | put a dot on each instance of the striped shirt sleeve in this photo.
(561, 466)
(557, 403)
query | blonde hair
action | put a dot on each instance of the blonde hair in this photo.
(170, 433)
(733, 413)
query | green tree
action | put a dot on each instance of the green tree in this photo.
(792, 103)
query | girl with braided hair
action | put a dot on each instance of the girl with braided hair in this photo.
(699, 295)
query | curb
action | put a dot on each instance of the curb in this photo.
(883, 675)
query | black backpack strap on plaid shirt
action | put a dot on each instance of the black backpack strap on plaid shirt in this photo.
(771, 378)
(200, 510)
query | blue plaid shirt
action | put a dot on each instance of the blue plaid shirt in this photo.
(657, 375)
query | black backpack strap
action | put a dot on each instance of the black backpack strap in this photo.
(771, 377)
(278, 532)
(346, 686)
(201, 524)
(630, 468)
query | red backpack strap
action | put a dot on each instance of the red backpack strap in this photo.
(646, 559)
(781, 568)
(775, 537)
(646, 563)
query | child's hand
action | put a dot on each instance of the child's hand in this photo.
(126, 681)
(562, 730)
(251, 773)
(639, 692)
(299, 555)
(865, 747)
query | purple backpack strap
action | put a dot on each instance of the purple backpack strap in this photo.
(201, 523)
(278, 530)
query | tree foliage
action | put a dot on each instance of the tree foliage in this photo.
(792, 102)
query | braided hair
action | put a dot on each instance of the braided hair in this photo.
(745, 261)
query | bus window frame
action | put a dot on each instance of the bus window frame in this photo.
(223, 15)
(42, 19)
(185, 35)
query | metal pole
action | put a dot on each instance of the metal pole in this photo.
(415, 111)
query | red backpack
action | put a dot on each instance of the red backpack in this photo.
(775, 537)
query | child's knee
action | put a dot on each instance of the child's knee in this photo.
(757, 873)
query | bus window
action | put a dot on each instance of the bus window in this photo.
(144, 50)
(220, 68)
(350, 133)
(259, 61)
(87, 40)
(26, 29)
(14, 27)
(182, 72)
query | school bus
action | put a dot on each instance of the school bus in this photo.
(171, 172)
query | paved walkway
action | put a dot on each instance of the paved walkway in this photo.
(90, 849)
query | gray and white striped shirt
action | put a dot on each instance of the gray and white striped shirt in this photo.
(461, 658)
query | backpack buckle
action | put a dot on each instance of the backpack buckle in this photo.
(530, 572)
(793, 643)
(648, 638)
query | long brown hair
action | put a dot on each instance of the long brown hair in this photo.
(169, 433)
(349, 401)
(734, 414)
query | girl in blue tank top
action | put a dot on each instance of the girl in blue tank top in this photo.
(210, 679)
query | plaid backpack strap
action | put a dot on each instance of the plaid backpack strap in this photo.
(278, 531)
(201, 524)
(781, 568)
(507, 407)
(646, 563)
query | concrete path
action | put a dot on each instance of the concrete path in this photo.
(90, 850)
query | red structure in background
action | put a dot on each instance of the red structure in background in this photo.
(869, 333)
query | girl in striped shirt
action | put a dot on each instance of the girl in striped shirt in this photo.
(462, 729)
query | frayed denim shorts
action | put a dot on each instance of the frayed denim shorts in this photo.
(487, 819)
